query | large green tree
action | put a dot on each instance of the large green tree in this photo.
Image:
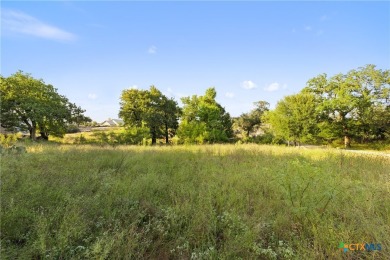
(294, 118)
(29, 103)
(151, 109)
(352, 105)
(204, 120)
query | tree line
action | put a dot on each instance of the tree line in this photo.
(355, 105)
(352, 106)
(202, 119)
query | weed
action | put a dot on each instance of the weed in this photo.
(191, 202)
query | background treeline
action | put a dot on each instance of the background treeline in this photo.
(351, 107)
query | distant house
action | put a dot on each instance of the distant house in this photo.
(112, 122)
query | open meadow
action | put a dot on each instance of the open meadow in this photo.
(193, 202)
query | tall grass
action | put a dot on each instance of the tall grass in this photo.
(192, 202)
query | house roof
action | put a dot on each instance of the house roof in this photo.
(113, 122)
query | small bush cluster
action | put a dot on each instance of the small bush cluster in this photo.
(7, 140)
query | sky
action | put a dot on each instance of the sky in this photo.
(249, 51)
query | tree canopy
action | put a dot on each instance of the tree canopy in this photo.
(29, 103)
(151, 109)
(204, 120)
(353, 105)
(247, 123)
(294, 118)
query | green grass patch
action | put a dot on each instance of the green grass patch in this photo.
(192, 202)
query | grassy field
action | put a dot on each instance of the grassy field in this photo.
(192, 202)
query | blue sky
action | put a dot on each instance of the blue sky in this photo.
(249, 51)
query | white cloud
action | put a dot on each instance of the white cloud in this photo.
(273, 87)
(133, 87)
(308, 28)
(247, 84)
(19, 22)
(229, 94)
(152, 49)
(284, 86)
(92, 96)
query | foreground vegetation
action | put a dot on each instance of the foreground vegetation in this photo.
(192, 202)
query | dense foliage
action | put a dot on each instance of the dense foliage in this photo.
(355, 106)
(204, 120)
(248, 124)
(295, 118)
(151, 109)
(28, 103)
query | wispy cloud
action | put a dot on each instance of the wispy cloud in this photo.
(248, 84)
(21, 23)
(324, 17)
(92, 96)
(273, 87)
(308, 28)
(133, 87)
(152, 49)
(229, 94)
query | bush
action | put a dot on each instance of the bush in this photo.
(72, 129)
(81, 140)
(8, 140)
(129, 136)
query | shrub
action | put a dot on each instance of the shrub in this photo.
(72, 129)
(8, 140)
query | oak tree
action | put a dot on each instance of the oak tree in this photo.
(29, 103)
(352, 105)
(151, 109)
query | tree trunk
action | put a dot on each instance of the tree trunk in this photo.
(32, 133)
(44, 136)
(154, 138)
(347, 142)
(166, 134)
(32, 129)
